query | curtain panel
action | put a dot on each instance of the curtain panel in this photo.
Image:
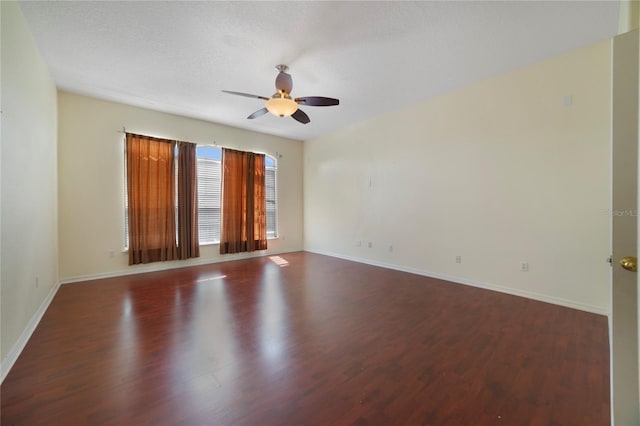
(151, 194)
(188, 240)
(244, 218)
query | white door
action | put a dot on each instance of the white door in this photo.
(624, 296)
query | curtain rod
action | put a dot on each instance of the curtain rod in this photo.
(124, 131)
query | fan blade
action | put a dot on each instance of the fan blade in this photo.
(284, 82)
(247, 95)
(317, 101)
(300, 116)
(258, 113)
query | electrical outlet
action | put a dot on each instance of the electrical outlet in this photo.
(370, 244)
(390, 248)
(524, 266)
(358, 243)
(112, 252)
(458, 259)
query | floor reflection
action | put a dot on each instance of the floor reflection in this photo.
(274, 318)
(126, 362)
(207, 342)
(217, 328)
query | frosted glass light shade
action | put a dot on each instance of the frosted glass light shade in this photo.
(281, 106)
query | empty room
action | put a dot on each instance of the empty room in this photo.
(319, 213)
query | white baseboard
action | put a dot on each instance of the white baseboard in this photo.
(473, 283)
(17, 348)
(163, 266)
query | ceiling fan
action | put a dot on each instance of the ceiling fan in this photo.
(281, 103)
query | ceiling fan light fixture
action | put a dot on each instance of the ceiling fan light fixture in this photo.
(281, 105)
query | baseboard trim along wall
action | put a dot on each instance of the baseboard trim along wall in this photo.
(473, 283)
(163, 266)
(18, 347)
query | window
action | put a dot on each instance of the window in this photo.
(271, 196)
(208, 160)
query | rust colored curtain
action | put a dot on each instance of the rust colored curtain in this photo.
(151, 192)
(244, 217)
(188, 241)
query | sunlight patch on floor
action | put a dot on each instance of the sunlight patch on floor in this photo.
(217, 277)
(279, 261)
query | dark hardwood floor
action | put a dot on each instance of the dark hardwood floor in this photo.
(312, 341)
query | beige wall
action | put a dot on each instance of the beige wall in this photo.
(499, 173)
(91, 181)
(29, 185)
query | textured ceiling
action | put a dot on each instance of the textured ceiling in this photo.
(374, 56)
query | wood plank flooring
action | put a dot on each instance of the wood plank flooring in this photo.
(306, 339)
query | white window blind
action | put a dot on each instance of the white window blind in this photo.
(209, 179)
(271, 197)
